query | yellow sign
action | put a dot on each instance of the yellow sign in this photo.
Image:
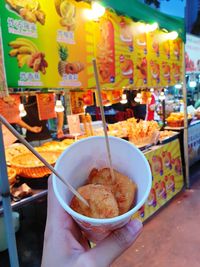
(167, 175)
(52, 44)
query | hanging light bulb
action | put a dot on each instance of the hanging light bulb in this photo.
(162, 96)
(96, 12)
(124, 99)
(108, 104)
(151, 27)
(138, 98)
(192, 84)
(152, 90)
(59, 107)
(98, 9)
(192, 81)
(22, 111)
(172, 35)
(178, 86)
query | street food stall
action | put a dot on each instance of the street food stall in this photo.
(49, 47)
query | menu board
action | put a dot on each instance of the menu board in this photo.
(192, 54)
(9, 108)
(52, 44)
(45, 43)
(74, 124)
(79, 100)
(46, 106)
(128, 56)
(8, 137)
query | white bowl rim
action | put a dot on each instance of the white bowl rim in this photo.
(113, 220)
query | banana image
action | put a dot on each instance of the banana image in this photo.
(13, 52)
(19, 42)
(25, 50)
(28, 42)
(28, 54)
(23, 59)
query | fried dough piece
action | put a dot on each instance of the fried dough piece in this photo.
(100, 199)
(123, 188)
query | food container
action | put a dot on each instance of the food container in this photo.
(75, 164)
(29, 166)
(177, 123)
(173, 123)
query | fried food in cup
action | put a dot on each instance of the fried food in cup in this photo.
(123, 188)
(102, 203)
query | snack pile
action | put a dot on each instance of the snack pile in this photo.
(176, 119)
(27, 165)
(142, 133)
(106, 198)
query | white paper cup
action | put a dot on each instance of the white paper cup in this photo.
(75, 164)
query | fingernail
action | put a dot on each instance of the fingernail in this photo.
(135, 226)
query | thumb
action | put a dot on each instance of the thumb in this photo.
(116, 243)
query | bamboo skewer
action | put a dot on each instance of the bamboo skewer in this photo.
(83, 118)
(88, 120)
(23, 141)
(103, 118)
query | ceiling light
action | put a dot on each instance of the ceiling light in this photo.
(96, 11)
(22, 111)
(59, 107)
(172, 35)
(124, 99)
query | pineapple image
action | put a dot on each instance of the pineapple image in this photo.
(63, 55)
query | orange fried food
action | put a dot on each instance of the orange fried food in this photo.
(100, 199)
(123, 188)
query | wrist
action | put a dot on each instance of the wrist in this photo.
(29, 128)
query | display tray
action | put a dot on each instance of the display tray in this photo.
(29, 166)
(174, 128)
(37, 195)
(168, 138)
(144, 147)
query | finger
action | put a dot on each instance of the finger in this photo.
(59, 220)
(114, 245)
(55, 213)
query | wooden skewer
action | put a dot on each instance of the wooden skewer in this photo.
(88, 119)
(103, 118)
(22, 140)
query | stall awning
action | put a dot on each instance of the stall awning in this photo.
(140, 11)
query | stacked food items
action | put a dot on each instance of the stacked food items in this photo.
(166, 134)
(29, 166)
(107, 197)
(118, 129)
(176, 119)
(142, 133)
